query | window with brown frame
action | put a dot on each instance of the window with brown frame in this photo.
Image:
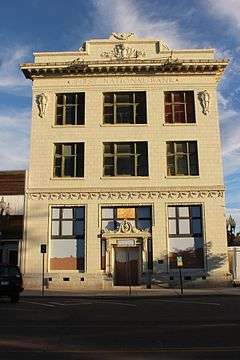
(182, 158)
(125, 159)
(179, 107)
(69, 160)
(124, 108)
(70, 109)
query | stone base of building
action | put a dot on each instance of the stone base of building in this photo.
(82, 281)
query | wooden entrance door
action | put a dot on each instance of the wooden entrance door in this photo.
(126, 266)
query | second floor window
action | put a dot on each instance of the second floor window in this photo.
(179, 107)
(182, 158)
(70, 109)
(124, 108)
(125, 159)
(69, 160)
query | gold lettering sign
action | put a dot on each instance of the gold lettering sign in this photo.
(126, 213)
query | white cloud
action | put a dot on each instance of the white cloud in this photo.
(128, 16)
(14, 139)
(10, 74)
(227, 10)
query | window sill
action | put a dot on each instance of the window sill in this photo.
(123, 125)
(125, 177)
(67, 178)
(183, 177)
(67, 126)
(179, 124)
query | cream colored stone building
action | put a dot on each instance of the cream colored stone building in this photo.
(125, 166)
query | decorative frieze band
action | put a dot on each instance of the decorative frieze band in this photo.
(126, 195)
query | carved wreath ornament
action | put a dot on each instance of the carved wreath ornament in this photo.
(122, 52)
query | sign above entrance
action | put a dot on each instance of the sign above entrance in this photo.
(126, 242)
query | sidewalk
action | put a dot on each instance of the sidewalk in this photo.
(135, 293)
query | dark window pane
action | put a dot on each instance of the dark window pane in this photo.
(170, 147)
(78, 228)
(71, 99)
(79, 213)
(171, 165)
(81, 109)
(144, 212)
(195, 211)
(190, 107)
(196, 226)
(125, 148)
(182, 165)
(108, 98)
(109, 170)
(69, 166)
(59, 120)
(79, 148)
(60, 99)
(178, 96)
(58, 149)
(125, 114)
(109, 160)
(193, 163)
(124, 97)
(181, 147)
(57, 171)
(192, 147)
(108, 148)
(108, 115)
(125, 165)
(168, 97)
(70, 115)
(142, 165)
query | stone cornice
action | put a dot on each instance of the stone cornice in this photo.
(127, 194)
(124, 67)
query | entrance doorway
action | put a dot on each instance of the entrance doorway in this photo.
(126, 266)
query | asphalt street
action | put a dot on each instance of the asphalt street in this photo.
(120, 328)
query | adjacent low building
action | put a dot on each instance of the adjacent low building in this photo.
(12, 190)
(125, 177)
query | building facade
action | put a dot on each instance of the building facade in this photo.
(12, 190)
(125, 166)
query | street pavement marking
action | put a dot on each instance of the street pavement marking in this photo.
(37, 303)
(114, 302)
(187, 302)
(70, 304)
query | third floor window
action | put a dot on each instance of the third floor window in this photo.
(179, 107)
(70, 109)
(124, 108)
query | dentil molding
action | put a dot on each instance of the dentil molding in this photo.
(126, 195)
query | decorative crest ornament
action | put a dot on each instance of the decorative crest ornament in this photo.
(122, 35)
(204, 99)
(122, 52)
(41, 101)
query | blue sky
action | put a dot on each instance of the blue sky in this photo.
(43, 25)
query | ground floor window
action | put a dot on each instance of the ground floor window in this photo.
(67, 250)
(139, 216)
(186, 235)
